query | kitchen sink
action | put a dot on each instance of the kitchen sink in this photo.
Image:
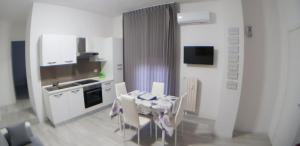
(53, 88)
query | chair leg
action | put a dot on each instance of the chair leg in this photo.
(181, 128)
(151, 128)
(124, 128)
(155, 132)
(175, 137)
(120, 123)
(163, 137)
(138, 130)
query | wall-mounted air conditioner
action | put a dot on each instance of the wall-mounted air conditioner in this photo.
(193, 17)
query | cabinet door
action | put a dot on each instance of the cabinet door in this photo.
(59, 107)
(108, 92)
(68, 49)
(48, 51)
(118, 60)
(57, 50)
(97, 44)
(76, 99)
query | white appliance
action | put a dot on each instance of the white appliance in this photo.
(193, 17)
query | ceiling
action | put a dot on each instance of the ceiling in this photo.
(18, 9)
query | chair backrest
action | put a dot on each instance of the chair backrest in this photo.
(180, 111)
(120, 89)
(130, 112)
(158, 89)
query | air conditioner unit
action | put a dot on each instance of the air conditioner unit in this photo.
(193, 17)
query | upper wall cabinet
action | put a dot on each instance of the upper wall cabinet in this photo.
(57, 50)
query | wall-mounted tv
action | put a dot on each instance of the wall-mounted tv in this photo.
(199, 55)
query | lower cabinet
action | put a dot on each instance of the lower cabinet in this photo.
(58, 110)
(69, 104)
(108, 92)
(66, 105)
(76, 102)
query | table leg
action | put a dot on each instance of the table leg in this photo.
(163, 137)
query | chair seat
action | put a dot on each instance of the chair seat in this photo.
(144, 121)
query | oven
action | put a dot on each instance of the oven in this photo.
(92, 95)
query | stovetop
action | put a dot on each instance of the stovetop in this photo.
(86, 82)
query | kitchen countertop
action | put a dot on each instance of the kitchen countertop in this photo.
(75, 87)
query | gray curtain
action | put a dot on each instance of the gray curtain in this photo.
(151, 48)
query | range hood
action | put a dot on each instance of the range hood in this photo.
(82, 49)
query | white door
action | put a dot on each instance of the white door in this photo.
(76, 100)
(289, 123)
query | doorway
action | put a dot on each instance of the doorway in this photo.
(289, 122)
(19, 70)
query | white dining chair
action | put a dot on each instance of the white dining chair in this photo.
(158, 89)
(178, 117)
(131, 116)
(120, 90)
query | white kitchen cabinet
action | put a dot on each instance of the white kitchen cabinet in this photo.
(97, 44)
(76, 102)
(118, 60)
(58, 104)
(111, 53)
(65, 105)
(58, 49)
(108, 92)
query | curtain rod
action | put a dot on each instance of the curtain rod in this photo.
(149, 7)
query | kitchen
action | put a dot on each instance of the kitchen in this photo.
(80, 79)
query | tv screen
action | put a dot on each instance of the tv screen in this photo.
(199, 55)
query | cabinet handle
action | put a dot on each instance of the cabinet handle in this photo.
(70, 61)
(120, 68)
(75, 91)
(108, 89)
(107, 84)
(120, 65)
(51, 62)
(58, 95)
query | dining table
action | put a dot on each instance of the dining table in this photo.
(161, 108)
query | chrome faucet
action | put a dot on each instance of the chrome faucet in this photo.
(55, 84)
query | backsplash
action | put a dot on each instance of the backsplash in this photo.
(83, 69)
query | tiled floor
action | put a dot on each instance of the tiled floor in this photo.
(19, 112)
(99, 130)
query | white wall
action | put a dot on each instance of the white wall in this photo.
(229, 100)
(210, 77)
(216, 101)
(47, 18)
(7, 93)
(262, 66)
(118, 27)
(18, 31)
